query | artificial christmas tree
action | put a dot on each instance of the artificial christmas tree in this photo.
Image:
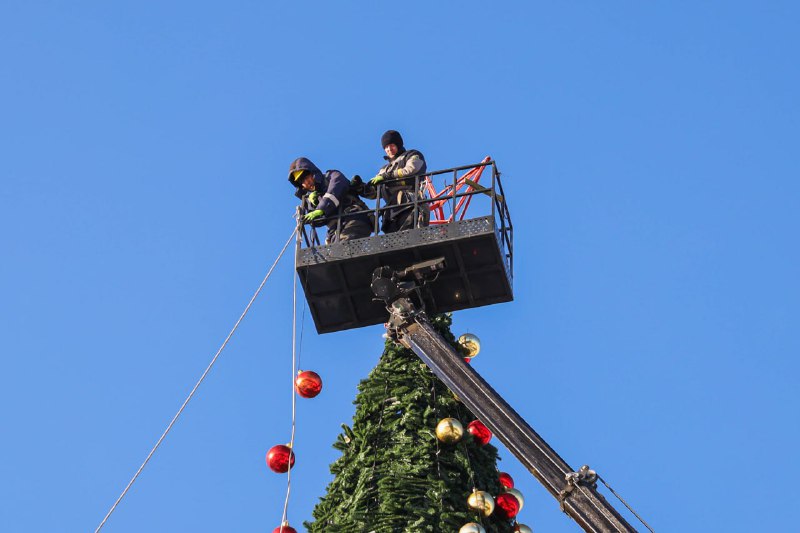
(394, 474)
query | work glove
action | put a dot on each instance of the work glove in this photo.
(313, 215)
(377, 179)
(313, 198)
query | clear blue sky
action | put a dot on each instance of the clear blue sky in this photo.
(649, 155)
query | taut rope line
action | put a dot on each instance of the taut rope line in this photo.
(191, 394)
(294, 375)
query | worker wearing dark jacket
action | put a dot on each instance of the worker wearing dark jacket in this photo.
(328, 194)
(397, 179)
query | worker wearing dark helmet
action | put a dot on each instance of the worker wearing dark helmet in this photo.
(329, 194)
(398, 187)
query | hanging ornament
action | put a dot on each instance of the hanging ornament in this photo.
(449, 430)
(472, 527)
(467, 359)
(518, 495)
(522, 528)
(506, 480)
(480, 432)
(284, 528)
(507, 505)
(280, 458)
(308, 384)
(470, 344)
(481, 502)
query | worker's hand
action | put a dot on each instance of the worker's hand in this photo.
(313, 198)
(313, 215)
(377, 179)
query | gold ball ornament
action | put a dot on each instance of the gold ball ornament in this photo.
(481, 502)
(518, 495)
(449, 430)
(472, 527)
(522, 528)
(470, 344)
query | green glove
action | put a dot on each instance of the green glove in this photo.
(313, 198)
(313, 215)
(377, 179)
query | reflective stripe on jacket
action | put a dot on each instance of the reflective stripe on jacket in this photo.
(333, 189)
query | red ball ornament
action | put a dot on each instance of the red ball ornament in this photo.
(467, 359)
(284, 528)
(480, 432)
(280, 458)
(507, 505)
(518, 495)
(506, 480)
(308, 384)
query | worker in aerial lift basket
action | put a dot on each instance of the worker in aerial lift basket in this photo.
(405, 164)
(326, 194)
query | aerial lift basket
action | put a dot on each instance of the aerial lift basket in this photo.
(478, 253)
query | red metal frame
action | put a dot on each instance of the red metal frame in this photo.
(460, 211)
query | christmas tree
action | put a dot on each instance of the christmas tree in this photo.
(394, 474)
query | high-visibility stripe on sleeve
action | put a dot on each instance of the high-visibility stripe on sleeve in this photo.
(332, 198)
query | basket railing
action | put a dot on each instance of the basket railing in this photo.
(449, 204)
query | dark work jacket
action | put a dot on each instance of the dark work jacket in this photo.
(333, 190)
(406, 165)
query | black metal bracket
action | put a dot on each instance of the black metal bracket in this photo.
(396, 288)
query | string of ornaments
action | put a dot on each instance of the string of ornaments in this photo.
(307, 384)
(450, 431)
(280, 458)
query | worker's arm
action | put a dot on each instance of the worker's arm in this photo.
(338, 186)
(412, 166)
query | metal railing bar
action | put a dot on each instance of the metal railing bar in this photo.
(499, 206)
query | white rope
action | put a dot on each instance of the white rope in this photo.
(302, 329)
(294, 396)
(191, 394)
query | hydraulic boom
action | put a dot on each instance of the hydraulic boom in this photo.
(408, 324)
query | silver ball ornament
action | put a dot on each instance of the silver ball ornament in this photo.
(470, 344)
(481, 502)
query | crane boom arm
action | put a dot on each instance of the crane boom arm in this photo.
(576, 491)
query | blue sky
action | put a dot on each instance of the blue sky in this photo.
(649, 157)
